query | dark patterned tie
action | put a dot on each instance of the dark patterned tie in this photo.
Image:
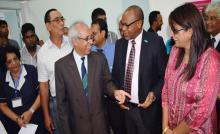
(84, 77)
(129, 70)
(213, 42)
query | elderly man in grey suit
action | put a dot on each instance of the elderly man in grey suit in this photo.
(82, 78)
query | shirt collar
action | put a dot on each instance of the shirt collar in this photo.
(27, 52)
(138, 39)
(103, 47)
(22, 79)
(217, 37)
(78, 57)
(64, 41)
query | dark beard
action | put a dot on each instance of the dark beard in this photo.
(32, 48)
(4, 35)
(159, 28)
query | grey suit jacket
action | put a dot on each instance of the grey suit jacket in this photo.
(77, 113)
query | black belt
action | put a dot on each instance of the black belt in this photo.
(131, 105)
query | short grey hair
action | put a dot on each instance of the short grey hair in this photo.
(214, 6)
(73, 31)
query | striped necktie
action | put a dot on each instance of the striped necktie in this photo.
(84, 77)
(129, 70)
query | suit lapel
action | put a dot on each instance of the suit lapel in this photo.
(91, 71)
(144, 47)
(123, 59)
(75, 76)
(218, 47)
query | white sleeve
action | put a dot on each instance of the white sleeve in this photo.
(41, 67)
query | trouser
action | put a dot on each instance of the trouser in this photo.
(116, 117)
(133, 122)
(53, 113)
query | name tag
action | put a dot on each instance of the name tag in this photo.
(16, 102)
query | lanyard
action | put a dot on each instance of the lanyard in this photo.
(16, 82)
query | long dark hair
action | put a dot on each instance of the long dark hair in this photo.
(188, 16)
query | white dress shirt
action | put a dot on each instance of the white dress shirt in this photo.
(79, 62)
(27, 58)
(134, 84)
(217, 39)
(48, 54)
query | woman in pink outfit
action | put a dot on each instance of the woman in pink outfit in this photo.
(192, 78)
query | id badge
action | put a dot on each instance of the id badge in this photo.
(17, 102)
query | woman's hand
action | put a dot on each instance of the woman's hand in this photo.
(20, 122)
(26, 116)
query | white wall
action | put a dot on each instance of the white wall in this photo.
(9, 5)
(165, 7)
(33, 11)
(74, 10)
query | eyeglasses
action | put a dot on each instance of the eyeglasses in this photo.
(58, 19)
(128, 25)
(176, 31)
(211, 18)
(87, 38)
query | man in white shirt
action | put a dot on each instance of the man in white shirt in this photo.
(56, 47)
(30, 50)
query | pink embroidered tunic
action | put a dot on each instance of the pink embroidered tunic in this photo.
(193, 101)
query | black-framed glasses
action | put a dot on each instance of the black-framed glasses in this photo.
(128, 25)
(87, 38)
(58, 19)
(176, 31)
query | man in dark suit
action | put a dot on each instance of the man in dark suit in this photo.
(138, 68)
(82, 77)
(212, 19)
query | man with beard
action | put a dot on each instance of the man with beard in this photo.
(4, 40)
(155, 21)
(30, 50)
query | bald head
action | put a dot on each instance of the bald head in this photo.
(132, 22)
(135, 10)
(76, 29)
(81, 27)
(81, 38)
